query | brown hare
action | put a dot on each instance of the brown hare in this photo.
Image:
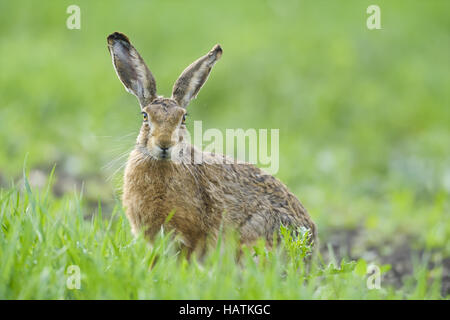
(161, 175)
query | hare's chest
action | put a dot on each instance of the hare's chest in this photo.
(149, 198)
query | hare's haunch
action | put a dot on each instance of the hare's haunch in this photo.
(163, 174)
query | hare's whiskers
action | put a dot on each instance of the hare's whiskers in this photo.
(115, 160)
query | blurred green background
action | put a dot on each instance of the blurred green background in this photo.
(364, 115)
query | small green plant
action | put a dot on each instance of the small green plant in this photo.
(296, 242)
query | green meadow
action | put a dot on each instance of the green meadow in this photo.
(364, 138)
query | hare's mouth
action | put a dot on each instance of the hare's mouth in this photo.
(164, 157)
(162, 153)
(157, 153)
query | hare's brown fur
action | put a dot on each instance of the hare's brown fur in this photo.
(161, 175)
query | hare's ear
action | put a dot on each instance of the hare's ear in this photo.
(193, 77)
(131, 69)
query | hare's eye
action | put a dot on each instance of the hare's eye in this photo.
(145, 116)
(184, 119)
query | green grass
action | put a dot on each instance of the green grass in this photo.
(364, 141)
(42, 237)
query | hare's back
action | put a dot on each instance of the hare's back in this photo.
(258, 200)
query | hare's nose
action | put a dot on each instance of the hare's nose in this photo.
(164, 146)
(164, 143)
(164, 152)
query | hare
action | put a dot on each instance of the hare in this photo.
(161, 176)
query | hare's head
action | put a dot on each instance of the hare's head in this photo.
(163, 131)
